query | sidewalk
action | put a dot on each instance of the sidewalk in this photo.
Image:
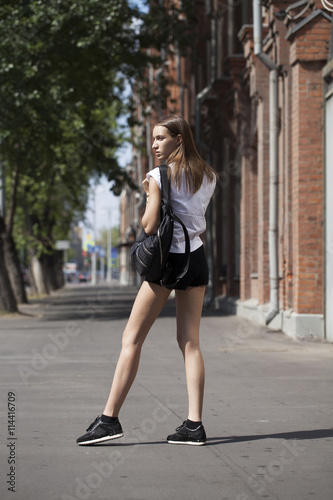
(268, 407)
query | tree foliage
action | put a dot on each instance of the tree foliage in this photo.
(62, 70)
(64, 65)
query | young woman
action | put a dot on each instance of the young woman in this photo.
(192, 186)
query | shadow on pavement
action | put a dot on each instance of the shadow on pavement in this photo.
(213, 441)
(98, 303)
(298, 435)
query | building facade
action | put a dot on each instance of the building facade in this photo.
(256, 88)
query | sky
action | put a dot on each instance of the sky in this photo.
(105, 203)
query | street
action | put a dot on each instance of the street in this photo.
(267, 412)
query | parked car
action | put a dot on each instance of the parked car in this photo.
(83, 277)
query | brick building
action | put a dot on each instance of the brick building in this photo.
(295, 38)
(253, 88)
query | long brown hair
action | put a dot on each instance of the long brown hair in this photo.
(186, 157)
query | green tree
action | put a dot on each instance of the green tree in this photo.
(63, 69)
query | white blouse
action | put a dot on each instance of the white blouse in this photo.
(190, 208)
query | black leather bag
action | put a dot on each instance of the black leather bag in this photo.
(150, 253)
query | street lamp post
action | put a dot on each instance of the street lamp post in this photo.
(102, 263)
(2, 192)
(109, 248)
(109, 211)
(93, 255)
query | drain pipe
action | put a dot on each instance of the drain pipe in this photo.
(273, 161)
(202, 145)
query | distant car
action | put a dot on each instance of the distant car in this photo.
(83, 277)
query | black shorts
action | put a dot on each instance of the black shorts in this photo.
(197, 273)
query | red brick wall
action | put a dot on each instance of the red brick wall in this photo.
(312, 42)
(285, 191)
(242, 97)
(300, 167)
(307, 187)
(308, 54)
(263, 182)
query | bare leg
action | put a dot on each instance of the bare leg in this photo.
(147, 306)
(189, 307)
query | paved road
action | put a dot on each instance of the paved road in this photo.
(268, 407)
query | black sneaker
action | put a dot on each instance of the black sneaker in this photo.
(184, 435)
(99, 431)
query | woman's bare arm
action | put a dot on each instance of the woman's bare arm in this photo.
(152, 217)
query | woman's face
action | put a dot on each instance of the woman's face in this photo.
(164, 143)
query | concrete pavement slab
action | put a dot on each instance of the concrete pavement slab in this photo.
(268, 407)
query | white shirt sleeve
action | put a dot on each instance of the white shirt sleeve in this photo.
(155, 173)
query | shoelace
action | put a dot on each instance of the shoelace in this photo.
(94, 423)
(181, 426)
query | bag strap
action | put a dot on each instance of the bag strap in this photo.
(165, 184)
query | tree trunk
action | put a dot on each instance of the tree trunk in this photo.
(9, 249)
(7, 297)
(58, 269)
(14, 268)
(37, 271)
(52, 269)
